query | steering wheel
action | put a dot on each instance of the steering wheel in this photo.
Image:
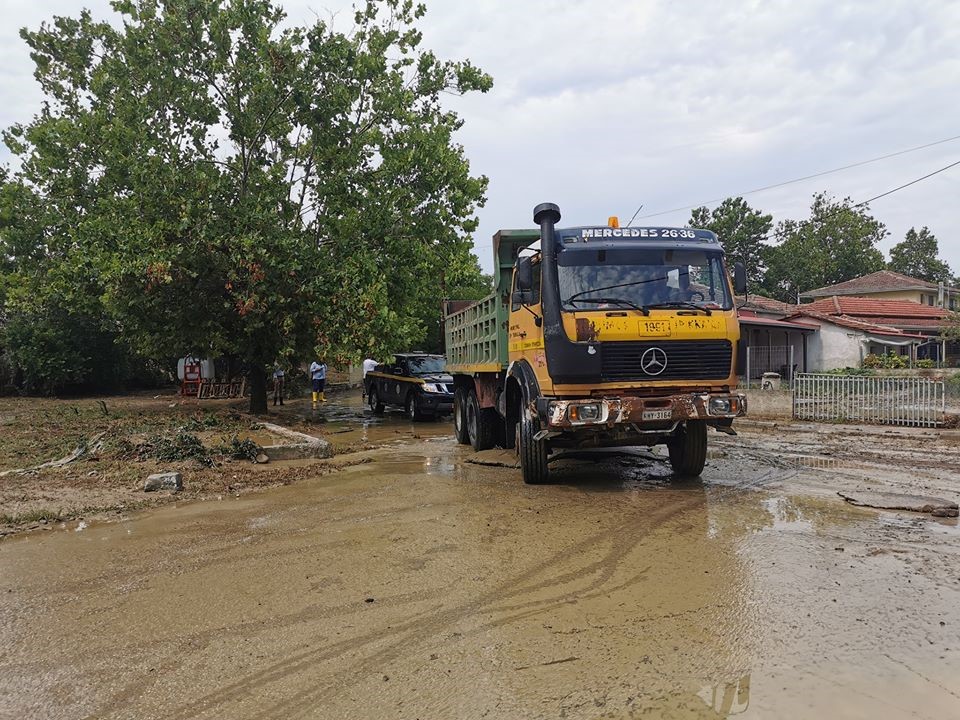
(697, 292)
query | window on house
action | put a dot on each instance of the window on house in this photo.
(930, 299)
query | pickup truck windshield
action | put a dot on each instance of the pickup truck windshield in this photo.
(427, 365)
(642, 277)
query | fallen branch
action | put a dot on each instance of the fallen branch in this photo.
(87, 447)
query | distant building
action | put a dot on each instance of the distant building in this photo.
(889, 285)
(853, 327)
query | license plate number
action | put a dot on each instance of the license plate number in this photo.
(655, 328)
(657, 414)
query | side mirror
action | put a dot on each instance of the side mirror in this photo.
(524, 274)
(739, 279)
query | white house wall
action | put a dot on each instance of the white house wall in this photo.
(833, 347)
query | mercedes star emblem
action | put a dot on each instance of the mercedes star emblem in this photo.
(653, 361)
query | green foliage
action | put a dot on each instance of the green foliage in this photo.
(742, 231)
(950, 330)
(918, 255)
(926, 364)
(888, 361)
(245, 449)
(52, 350)
(170, 448)
(836, 243)
(250, 182)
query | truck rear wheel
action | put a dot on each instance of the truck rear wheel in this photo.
(533, 453)
(460, 416)
(481, 423)
(688, 450)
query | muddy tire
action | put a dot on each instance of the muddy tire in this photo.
(373, 398)
(410, 409)
(460, 416)
(481, 423)
(533, 453)
(688, 451)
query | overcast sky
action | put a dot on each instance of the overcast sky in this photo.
(603, 105)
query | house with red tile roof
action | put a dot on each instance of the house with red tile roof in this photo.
(853, 327)
(889, 285)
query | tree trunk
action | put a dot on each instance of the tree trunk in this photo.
(258, 389)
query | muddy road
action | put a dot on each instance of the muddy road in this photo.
(419, 585)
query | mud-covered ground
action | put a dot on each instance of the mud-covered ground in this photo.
(420, 585)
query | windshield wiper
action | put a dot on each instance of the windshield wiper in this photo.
(678, 304)
(614, 287)
(611, 301)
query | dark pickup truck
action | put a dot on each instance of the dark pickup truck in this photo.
(417, 382)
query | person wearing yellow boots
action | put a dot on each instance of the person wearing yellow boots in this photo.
(318, 377)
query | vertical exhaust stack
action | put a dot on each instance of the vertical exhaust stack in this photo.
(547, 215)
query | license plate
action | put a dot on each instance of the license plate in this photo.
(655, 328)
(657, 414)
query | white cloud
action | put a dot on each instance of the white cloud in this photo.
(602, 105)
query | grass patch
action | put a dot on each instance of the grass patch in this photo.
(30, 516)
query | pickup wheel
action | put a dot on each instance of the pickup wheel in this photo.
(460, 416)
(481, 423)
(533, 453)
(410, 408)
(373, 397)
(688, 450)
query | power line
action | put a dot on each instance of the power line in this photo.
(808, 177)
(859, 204)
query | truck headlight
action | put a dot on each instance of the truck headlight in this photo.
(585, 413)
(720, 406)
(431, 387)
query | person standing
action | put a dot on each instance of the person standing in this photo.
(368, 366)
(318, 377)
(278, 379)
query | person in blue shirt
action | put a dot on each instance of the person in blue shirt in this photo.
(278, 379)
(318, 376)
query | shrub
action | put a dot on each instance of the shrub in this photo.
(926, 363)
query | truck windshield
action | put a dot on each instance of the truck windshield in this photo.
(427, 365)
(642, 278)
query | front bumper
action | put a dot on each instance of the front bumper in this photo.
(436, 403)
(610, 412)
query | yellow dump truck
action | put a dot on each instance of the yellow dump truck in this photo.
(598, 337)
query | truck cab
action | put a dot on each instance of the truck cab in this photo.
(610, 337)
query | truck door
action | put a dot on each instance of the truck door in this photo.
(524, 336)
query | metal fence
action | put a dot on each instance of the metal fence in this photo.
(911, 401)
(765, 359)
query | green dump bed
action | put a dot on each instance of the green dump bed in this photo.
(475, 336)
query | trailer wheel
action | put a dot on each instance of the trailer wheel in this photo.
(481, 423)
(373, 397)
(688, 451)
(533, 453)
(460, 417)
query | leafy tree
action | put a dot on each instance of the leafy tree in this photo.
(742, 231)
(836, 243)
(918, 256)
(227, 185)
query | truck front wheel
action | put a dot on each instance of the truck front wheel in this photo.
(533, 453)
(481, 423)
(688, 450)
(460, 417)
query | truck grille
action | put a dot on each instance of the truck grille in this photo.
(684, 360)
